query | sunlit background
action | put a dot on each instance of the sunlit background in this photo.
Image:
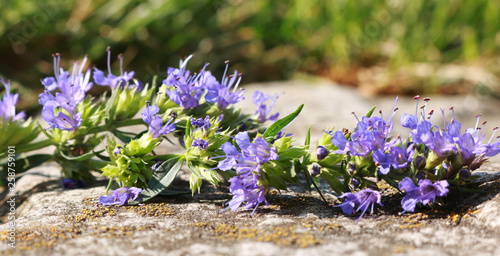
(394, 46)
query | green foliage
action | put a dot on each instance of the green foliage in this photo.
(162, 178)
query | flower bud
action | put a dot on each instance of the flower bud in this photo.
(118, 150)
(355, 182)
(315, 170)
(420, 162)
(351, 167)
(464, 174)
(420, 175)
(321, 152)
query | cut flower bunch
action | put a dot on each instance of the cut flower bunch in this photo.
(222, 143)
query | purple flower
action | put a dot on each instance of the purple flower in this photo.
(424, 193)
(72, 183)
(245, 188)
(201, 143)
(258, 149)
(397, 158)
(120, 196)
(8, 105)
(114, 81)
(452, 140)
(247, 163)
(363, 200)
(156, 127)
(222, 93)
(201, 123)
(265, 112)
(118, 151)
(370, 135)
(58, 116)
(434, 140)
(252, 155)
(409, 121)
(72, 86)
(186, 88)
(60, 111)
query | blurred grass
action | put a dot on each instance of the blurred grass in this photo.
(396, 46)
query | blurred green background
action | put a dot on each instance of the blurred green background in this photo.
(394, 46)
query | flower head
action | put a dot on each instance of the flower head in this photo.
(245, 188)
(222, 93)
(60, 111)
(120, 196)
(363, 200)
(186, 89)
(72, 86)
(203, 124)
(201, 143)
(424, 193)
(156, 127)
(398, 158)
(252, 154)
(114, 81)
(247, 163)
(264, 112)
(8, 104)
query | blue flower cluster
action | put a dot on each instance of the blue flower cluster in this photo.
(431, 157)
(8, 105)
(113, 81)
(60, 110)
(247, 162)
(155, 122)
(222, 143)
(185, 88)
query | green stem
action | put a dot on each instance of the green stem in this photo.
(109, 185)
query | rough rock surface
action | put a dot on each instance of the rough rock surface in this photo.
(53, 221)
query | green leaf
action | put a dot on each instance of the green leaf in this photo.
(333, 181)
(280, 124)
(188, 127)
(308, 137)
(331, 160)
(109, 105)
(83, 157)
(104, 158)
(195, 183)
(194, 170)
(154, 82)
(370, 113)
(126, 137)
(294, 152)
(162, 178)
(31, 162)
(277, 182)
